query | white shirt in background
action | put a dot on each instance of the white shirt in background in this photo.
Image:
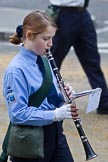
(79, 3)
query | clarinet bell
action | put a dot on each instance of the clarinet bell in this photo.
(90, 154)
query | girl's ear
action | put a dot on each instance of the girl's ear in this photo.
(29, 35)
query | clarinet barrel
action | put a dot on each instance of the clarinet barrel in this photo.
(90, 154)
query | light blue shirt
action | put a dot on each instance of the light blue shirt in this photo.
(22, 78)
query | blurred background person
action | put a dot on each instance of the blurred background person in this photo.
(76, 28)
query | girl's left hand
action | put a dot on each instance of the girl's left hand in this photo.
(69, 90)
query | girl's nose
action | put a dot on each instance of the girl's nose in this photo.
(50, 43)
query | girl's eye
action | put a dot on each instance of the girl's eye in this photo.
(46, 38)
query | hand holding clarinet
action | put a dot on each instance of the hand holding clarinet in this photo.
(67, 111)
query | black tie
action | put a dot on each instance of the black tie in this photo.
(86, 3)
(52, 96)
(40, 64)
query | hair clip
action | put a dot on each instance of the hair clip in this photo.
(19, 31)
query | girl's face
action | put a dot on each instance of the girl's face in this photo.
(42, 41)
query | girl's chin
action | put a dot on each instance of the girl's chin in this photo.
(41, 53)
(44, 52)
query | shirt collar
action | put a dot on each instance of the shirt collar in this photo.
(29, 55)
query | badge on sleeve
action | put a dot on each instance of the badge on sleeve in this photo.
(10, 96)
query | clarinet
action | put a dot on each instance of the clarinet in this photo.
(90, 154)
